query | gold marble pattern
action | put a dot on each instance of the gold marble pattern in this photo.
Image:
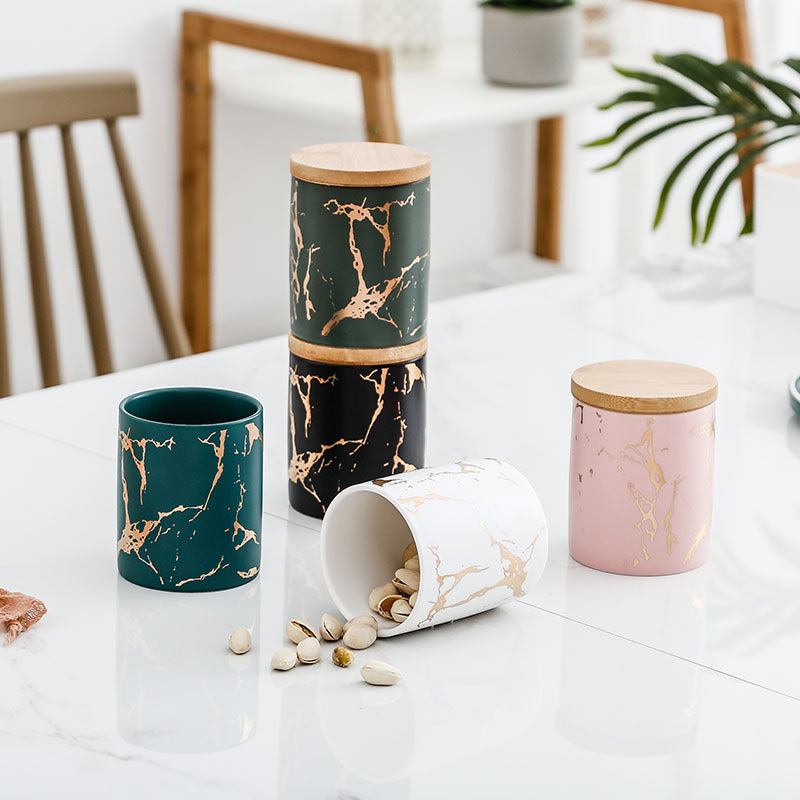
(297, 286)
(370, 300)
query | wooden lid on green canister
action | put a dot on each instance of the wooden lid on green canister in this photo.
(359, 245)
(360, 164)
(644, 387)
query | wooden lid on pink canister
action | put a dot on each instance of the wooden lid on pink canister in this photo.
(641, 466)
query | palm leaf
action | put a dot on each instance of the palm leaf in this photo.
(745, 161)
(730, 74)
(659, 81)
(696, 69)
(624, 126)
(786, 94)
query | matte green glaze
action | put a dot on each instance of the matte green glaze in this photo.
(359, 261)
(189, 467)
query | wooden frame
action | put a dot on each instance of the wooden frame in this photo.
(374, 67)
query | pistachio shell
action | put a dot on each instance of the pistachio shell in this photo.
(359, 637)
(298, 629)
(342, 657)
(366, 619)
(412, 601)
(378, 593)
(409, 552)
(379, 673)
(401, 609)
(284, 659)
(308, 651)
(240, 641)
(412, 564)
(385, 607)
(330, 628)
(406, 581)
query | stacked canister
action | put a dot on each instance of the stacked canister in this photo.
(359, 263)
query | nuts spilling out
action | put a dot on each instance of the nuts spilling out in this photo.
(395, 600)
(240, 641)
(342, 657)
(379, 673)
(330, 628)
(366, 619)
(360, 637)
(298, 629)
(309, 651)
(284, 659)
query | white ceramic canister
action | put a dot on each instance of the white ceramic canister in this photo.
(478, 526)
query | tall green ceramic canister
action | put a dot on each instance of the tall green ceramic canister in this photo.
(189, 489)
(359, 244)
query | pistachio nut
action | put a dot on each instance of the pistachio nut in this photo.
(366, 619)
(298, 629)
(308, 651)
(401, 609)
(359, 637)
(379, 673)
(385, 606)
(412, 601)
(284, 659)
(379, 592)
(330, 628)
(240, 641)
(406, 581)
(412, 564)
(409, 552)
(342, 657)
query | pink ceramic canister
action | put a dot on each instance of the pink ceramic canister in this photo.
(641, 466)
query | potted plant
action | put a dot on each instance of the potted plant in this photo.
(530, 42)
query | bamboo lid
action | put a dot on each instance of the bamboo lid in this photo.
(358, 356)
(644, 387)
(360, 164)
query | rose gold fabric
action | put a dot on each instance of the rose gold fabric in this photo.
(19, 612)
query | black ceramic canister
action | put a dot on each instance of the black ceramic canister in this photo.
(352, 422)
(359, 244)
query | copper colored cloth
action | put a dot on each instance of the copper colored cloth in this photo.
(19, 612)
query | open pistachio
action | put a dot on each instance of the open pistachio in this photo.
(412, 564)
(379, 673)
(406, 581)
(308, 651)
(401, 609)
(378, 593)
(359, 637)
(284, 659)
(239, 641)
(298, 629)
(330, 628)
(342, 657)
(366, 619)
(409, 552)
(412, 601)
(385, 606)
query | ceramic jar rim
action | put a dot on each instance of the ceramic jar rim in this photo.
(228, 394)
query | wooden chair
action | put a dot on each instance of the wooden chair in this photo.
(27, 103)
(551, 131)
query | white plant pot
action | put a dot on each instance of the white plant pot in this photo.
(530, 48)
(479, 529)
(776, 275)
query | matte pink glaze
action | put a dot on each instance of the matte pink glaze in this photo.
(640, 489)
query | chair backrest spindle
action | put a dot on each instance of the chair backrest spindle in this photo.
(5, 376)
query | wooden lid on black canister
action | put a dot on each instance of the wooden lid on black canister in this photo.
(360, 164)
(644, 387)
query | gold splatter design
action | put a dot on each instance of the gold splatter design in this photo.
(205, 575)
(370, 300)
(303, 385)
(252, 435)
(413, 374)
(671, 538)
(706, 431)
(219, 452)
(297, 286)
(238, 528)
(127, 446)
(249, 574)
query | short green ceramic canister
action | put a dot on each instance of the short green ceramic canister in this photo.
(359, 244)
(189, 474)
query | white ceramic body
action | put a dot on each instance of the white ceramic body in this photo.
(776, 277)
(480, 533)
(530, 48)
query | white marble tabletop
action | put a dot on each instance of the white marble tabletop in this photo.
(594, 685)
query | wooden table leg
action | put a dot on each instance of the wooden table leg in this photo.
(547, 226)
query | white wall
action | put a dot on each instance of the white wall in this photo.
(607, 219)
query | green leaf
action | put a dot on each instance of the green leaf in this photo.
(629, 123)
(743, 164)
(730, 74)
(659, 81)
(651, 135)
(706, 179)
(785, 93)
(793, 63)
(636, 96)
(696, 69)
(748, 226)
